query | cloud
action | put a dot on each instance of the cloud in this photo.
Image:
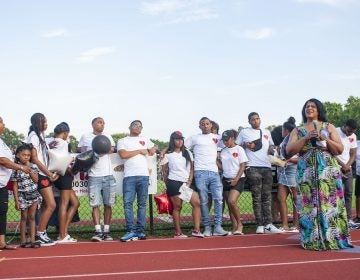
(90, 55)
(54, 33)
(180, 11)
(330, 2)
(259, 34)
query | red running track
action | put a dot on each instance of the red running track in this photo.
(233, 257)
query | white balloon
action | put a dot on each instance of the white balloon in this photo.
(59, 161)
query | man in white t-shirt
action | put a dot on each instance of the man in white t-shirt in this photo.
(101, 182)
(258, 144)
(346, 159)
(133, 150)
(205, 149)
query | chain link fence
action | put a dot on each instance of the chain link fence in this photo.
(157, 224)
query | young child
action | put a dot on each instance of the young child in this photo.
(27, 197)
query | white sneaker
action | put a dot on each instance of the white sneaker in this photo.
(270, 228)
(67, 239)
(207, 231)
(260, 230)
(219, 231)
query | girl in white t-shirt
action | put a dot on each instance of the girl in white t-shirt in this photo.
(177, 168)
(233, 161)
(39, 156)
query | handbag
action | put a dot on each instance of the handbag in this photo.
(163, 203)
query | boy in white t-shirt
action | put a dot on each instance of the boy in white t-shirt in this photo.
(346, 159)
(101, 181)
(205, 149)
(258, 144)
(133, 150)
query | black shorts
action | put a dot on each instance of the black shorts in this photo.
(44, 182)
(64, 182)
(172, 187)
(357, 186)
(239, 186)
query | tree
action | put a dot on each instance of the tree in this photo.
(334, 112)
(12, 138)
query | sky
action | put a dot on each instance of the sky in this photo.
(171, 62)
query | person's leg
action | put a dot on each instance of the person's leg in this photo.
(47, 208)
(23, 220)
(74, 206)
(254, 179)
(266, 188)
(196, 212)
(226, 201)
(109, 192)
(95, 200)
(62, 214)
(348, 187)
(283, 192)
(129, 185)
(216, 192)
(235, 211)
(142, 187)
(31, 221)
(295, 212)
(177, 203)
(201, 184)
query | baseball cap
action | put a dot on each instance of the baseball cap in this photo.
(176, 135)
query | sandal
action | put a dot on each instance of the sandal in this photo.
(35, 244)
(7, 247)
(27, 244)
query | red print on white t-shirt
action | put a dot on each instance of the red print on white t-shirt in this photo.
(351, 140)
(235, 155)
(215, 140)
(266, 137)
(142, 142)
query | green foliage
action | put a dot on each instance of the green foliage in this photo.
(12, 138)
(337, 114)
(161, 144)
(118, 136)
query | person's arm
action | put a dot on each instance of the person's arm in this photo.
(191, 175)
(16, 195)
(12, 165)
(34, 176)
(34, 159)
(152, 150)
(164, 171)
(333, 142)
(129, 154)
(235, 180)
(295, 144)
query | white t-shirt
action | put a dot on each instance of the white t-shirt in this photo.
(61, 145)
(40, 149)
(259, 158)
(5, 173)
(178, 169)
(349, 142)
(136, 165)
(101, 167)
(231, 158)
(205, 148)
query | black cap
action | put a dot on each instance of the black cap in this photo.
(176, 135)
(227, 134)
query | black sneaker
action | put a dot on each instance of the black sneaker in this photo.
(107, 236)
(97, 237)
(44, 240)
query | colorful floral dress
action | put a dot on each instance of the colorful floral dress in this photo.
(321, 205)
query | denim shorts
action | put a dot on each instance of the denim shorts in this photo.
(287, 176)
(102, 190)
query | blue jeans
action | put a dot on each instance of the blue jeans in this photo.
(135, 185)
(205, 181)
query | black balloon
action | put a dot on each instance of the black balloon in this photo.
(101, 144)
(83, 162)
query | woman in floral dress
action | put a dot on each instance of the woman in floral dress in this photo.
(321, 206)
